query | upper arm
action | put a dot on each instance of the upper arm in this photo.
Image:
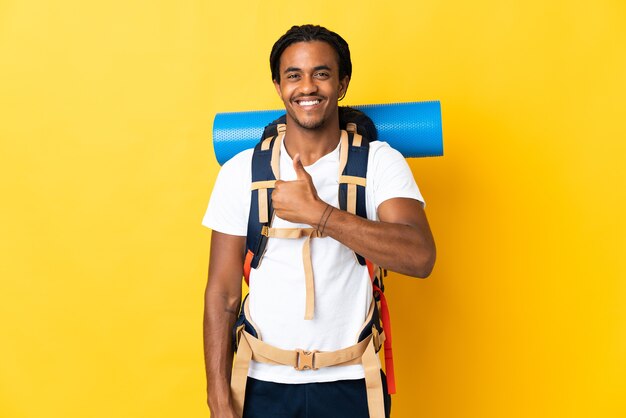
(405, 212)
(402, 211)
(391, 184)
(228, 212)
(226, 267)
(410, 212)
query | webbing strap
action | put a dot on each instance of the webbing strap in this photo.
(263, 206)
(265, 144)
(239, 376)
(276, 152)
(294, 233)
(358, 138)
(360, 181)
(267, 184)
(246, 266)
(389, 369)
(343, 152)
(308, 276)
(265, 353)
(351, 199)
(289, 233)
(373, 382)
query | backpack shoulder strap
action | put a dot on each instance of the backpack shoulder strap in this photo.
(352, 174)
(265, 172)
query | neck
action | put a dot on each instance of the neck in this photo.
(311, 144)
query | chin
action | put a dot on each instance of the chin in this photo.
(311, 125)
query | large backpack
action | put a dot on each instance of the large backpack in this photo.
(357, 132)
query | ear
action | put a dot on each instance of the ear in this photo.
(343, 86)
(277, 87)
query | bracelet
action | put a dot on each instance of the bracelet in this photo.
(322, 217)
(327, 216)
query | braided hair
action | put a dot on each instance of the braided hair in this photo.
(308, 33)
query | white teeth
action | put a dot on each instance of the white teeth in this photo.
(308, 102)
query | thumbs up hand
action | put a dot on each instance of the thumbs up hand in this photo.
(299, 168)
(297, 201)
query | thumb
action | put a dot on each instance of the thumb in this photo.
(299, 168)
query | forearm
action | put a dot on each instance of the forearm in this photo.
(403, 248)
(401, 241)
(221, 307)
(219, 318)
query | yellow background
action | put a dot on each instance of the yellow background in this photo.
(106, 167)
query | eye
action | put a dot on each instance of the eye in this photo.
(293, 76)
(322, 74)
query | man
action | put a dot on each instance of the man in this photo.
(311, 70)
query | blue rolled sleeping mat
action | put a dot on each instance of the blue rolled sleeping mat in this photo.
(413, 128)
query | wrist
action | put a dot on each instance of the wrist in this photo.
(219, 402)
(324, 220)
(317, 213)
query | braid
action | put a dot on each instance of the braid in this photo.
(308, 33)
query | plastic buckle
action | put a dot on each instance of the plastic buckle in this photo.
(305, 360)
(265, 231)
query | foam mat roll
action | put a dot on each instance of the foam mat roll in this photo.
(413, 128)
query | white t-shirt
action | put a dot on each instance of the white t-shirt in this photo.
(343, 288)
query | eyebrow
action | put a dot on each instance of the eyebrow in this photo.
(319, 67)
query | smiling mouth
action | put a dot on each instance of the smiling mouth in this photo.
(308, 102)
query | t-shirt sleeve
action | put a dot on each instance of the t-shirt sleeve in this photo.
(229, 205)
(391, 175)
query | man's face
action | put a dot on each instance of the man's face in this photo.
(310, 86)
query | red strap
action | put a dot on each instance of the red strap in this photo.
(246, 266)
(391, 376)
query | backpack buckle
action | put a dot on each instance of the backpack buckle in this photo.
(305, 360)
(265, 231)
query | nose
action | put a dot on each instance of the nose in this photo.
(308, 85)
